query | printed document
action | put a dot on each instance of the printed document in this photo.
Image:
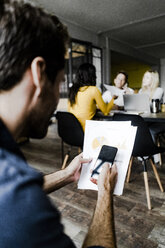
(113, 133)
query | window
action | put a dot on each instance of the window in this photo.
(78, 53)
(97, 62)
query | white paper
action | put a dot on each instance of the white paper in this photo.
(114, 91)
(113, 133)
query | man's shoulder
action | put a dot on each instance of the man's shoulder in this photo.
(14, 168)
(26, 211)
(18, 181)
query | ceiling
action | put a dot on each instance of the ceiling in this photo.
(137, 23)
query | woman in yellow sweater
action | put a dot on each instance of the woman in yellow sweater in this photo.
(85, 97)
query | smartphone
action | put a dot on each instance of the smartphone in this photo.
(107, 154)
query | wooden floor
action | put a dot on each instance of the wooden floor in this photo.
(136, 226)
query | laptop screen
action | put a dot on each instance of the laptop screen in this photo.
(137, 102)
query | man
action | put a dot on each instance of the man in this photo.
(32, 49)
(120, 88)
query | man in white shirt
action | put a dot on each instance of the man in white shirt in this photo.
(120, 88)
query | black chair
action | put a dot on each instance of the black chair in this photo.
(70, 132)
(144, 147)
(157, 131)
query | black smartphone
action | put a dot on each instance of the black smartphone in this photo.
(107, 154)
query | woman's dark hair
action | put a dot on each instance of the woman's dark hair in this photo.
(85, 76)
(25, 33)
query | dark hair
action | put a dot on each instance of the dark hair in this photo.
(125, 74)
(25, 33)
(85, 76)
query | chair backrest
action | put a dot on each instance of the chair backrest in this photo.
(144, 144)
(69, 129)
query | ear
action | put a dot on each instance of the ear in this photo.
(38, 66)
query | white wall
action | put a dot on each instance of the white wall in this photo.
(83, 34)
(80, 33)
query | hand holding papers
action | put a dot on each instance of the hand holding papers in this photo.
(114, 91)
(117, 134)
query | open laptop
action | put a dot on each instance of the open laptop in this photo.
(138, 103)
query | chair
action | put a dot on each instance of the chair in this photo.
(144, 147)
(70, 132)
(157, 131)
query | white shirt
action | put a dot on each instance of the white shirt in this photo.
(113, 90)
(158, 94)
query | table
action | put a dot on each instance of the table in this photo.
(154, 117)
(149, 117)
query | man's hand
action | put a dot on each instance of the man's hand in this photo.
(107, 178)
(115, 97)
(102, 229)
(74, 168)
(61, 178)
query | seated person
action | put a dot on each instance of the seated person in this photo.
(150, 84)
(85, 97)
(120, 88)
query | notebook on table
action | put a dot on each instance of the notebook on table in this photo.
(136, 103)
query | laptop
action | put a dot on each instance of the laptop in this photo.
(138, 103)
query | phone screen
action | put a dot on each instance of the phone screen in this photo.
(107, 154)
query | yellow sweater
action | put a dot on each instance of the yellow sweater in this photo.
(87, 100)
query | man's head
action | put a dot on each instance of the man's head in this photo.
(28, 32)
(121, 79)
(34, 41)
